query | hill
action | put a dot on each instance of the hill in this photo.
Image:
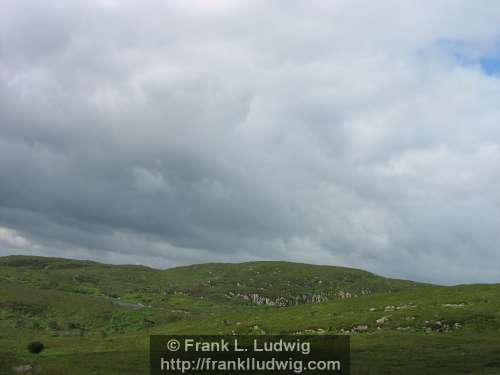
(96, 318)
(270, 283)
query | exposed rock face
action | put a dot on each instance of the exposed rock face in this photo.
(261, 300)
(343, 295)
(284, 301)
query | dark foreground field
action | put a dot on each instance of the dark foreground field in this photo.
(96, 319)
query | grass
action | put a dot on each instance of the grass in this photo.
(96, 319)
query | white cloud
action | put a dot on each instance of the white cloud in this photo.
(11, 239)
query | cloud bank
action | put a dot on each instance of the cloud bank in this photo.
(174, 132)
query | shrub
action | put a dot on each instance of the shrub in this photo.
(35, 347)
(53, 325)
(147, 323)
(72, 325)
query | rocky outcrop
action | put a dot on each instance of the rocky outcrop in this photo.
(283, 301)
(301, 299)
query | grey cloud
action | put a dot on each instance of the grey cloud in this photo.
(186, 131)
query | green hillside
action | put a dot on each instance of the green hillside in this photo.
(96, 319)
(294, 283)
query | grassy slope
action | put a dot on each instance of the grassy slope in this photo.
(216, 281)
(69, 305)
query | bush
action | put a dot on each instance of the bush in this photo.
(71, 325)
(53, 325)
(35, 347)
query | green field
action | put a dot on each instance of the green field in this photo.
(96, 319)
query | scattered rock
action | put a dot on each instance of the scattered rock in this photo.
(440, 326)
(178, 311)
(400, 307)
(407, 328)
(360, 328)
(381, 321)
(22, 369)
(453, 305)
(313, 331)
(406, 306)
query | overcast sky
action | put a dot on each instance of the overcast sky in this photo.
(355, 133)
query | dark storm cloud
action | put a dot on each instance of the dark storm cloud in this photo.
(174, 132)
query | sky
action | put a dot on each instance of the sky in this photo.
(353, 133)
